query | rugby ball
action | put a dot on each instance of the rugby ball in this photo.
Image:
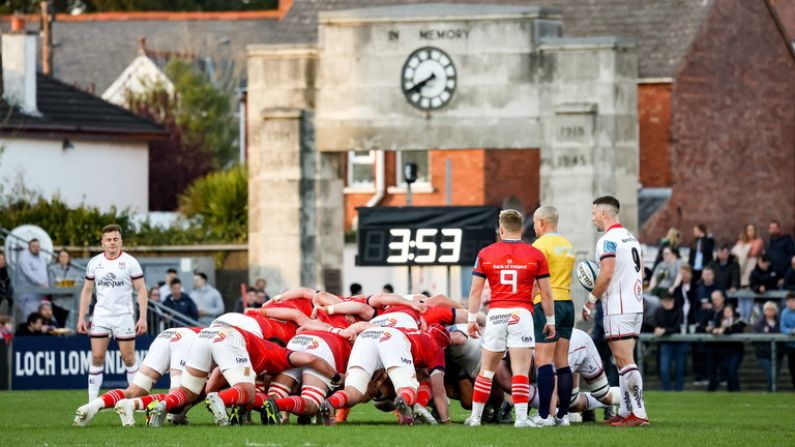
(587, 271)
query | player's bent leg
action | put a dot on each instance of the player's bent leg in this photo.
(404, 380)
(193, 381)
(356, 383)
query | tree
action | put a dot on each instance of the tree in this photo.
(218, 203)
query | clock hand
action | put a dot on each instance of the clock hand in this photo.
(418, 86)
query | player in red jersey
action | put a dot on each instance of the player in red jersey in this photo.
(511, 268)
(166, 354)
(399, 351)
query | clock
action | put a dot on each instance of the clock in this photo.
(424, 235)
(428, 79)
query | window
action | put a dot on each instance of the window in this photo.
(423, 167)
(360, 169)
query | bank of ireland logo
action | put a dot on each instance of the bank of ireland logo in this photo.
(514, 318)
(385, 337)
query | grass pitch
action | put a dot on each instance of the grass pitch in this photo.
(44, 418)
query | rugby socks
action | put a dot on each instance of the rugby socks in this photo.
(564, 390)
(142, 403)
(314, 395)
(131, 370)
(546, 386)
(424, 393)
(481, 393)
(292, 404)
(633, 390)
(342, 415)
(175, 399)
(259, 399)
(110, 398)
(339, 399)
(409, 396)
(592, 403)
(277, 390)
(520, 392)
(94, 381)
(237, 395)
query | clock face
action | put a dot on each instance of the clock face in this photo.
(429, 78)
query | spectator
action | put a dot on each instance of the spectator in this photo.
(727, 270)
(705, 322)
(33, 326)
(705, 288)
(356, 289)
(780, 248)
(726, 356)
(787, 321)
(764, 278)
(154, 294)
(670, 240)
(789, 276)
(668, 320)
(165, 289)
(32, 272)
(701, 250)
(48, 319)
(685, 295)
(6, 290)
(180, 302)
(252, 299)
(63, 274)
(153, 317)
(6, 329)
(664, 275)
(388, 288)
(768, 325)
(208, 299)
(261, 284)
(747, 250)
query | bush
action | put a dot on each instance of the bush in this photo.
(218, 203)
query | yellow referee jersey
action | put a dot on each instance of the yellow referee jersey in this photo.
(560, 257)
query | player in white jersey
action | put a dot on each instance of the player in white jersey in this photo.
(620, 287)
(584, 361)
(115, 274)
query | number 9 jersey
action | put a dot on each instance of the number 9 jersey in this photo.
(624, 294)
(511, 267)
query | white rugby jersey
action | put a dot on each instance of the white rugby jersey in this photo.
(624, 295)
(113, 281)
(467, 356)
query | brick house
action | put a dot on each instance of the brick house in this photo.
(716, 80)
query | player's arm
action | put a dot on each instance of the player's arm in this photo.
(143, 302)
(304, 360)
(356, 328)
(280, 313)
(441, 300)
(392, 299)
(85, 300)
(475, 294)
(325, 299)
(440, 395)
(294, 294)
(362, 311)
(547, 304)
(462, 316)
(607, 265)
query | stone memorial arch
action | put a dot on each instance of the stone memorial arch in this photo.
(431, 76)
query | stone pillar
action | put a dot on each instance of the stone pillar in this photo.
(589, 111)
(295, 193)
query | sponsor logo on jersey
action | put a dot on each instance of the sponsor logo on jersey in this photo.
(638, 290)
(514, 318)
(219, 338)
(610, 246)
(391, 322)
(177, 337)
(385, 337)
(241, 360)
(406, 361)
(121, 265)
(110, 280)
(313, 344)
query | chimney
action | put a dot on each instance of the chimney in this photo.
(19, 67)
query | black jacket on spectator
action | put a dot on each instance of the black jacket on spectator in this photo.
(789, 279)
(768, 278)
(184, 305)
(6, 291)
(727, 276)
(780, 252)
(737, 327)
(763, 327)
(23, 330)
(705, 316)
(670, 320)
(707, 247)
(680, 297)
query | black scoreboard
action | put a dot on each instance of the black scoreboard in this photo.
(424, 235)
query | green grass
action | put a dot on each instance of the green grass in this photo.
(44, 418)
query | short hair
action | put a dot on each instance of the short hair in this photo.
(389, 288)
(666, 295)
(250, 289)
(110, 228)
(171, 270)
(725, 247)
(174, 281)
(356, 288)
(547, 213)
(775, 221)
(64, 250)
(771, 304)
(764, 258)
(790, 296)
(45, 303)
(35, 316)
(201, 275)
(608, 201)
(511, 221)
(702, 228)
(686, 267)
(33, 240)
(710, 268)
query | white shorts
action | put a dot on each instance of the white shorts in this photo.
(239, 320)
(169, 350)
(316, 346)
(508, 328)
(121, 327)
(229, 353)
(200, 354)
(395, 319)
(585, 360)
(381, 348)
(621, 326)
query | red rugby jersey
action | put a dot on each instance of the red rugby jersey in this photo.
(266, 356)
(439, 315)
(340, 347)
(511, 268)
(424, 350)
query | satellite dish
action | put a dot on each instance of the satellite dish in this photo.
(17, 241)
